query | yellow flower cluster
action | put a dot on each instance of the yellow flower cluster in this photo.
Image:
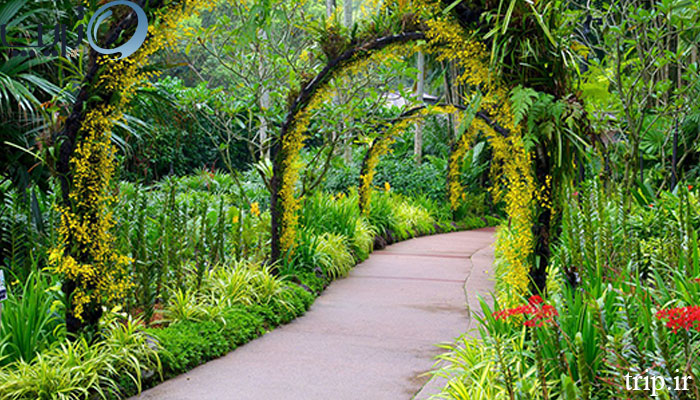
(378, 149)
(86, 252)
(292, 143)
(511, 164)
(254, 209)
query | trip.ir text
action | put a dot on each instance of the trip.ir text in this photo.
(654, 383)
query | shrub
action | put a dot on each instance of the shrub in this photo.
(413, 220)
(323, 213)
(334, 255)
(622, 284)
(188, 343)
(381, 213)
(363, 238)
(78, 370)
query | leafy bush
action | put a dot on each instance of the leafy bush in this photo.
(382, 213)
(27, 219)
(413, 220)
(323, 213)
(188, 343)
(172, 132)
(400, 172)
(78, 369)
(335, 257)
(363, 238)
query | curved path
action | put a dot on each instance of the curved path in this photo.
(370, 336)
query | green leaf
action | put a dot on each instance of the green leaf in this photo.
(521, 100)
(509, 13)
(451, 6)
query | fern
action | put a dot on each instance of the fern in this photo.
(521, 100)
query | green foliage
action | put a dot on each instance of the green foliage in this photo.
(174, 132)
(188, 343)
(27, 219)
(333, 214)
(28, 84)
(30, 323)
(363, 238)
(521, 100)
(381, 213)
(180, 230)
(78, 369)
(334, 256)
(414, 220)
(613, 269)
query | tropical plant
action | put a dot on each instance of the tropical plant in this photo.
(78, 369)
(30, 323)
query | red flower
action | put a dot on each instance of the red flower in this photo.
(697, 280)
(575, 194)
(681, 318)
(690, 187)
(651, 205)
(539, 313)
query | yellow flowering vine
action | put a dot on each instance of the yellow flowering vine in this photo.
(85, 254)
(511, 164)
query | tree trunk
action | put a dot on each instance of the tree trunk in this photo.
(420, 91)
(347, 142)
(264, 104)
(347, 13)
(69, 137)
(330, 7)
(542, 227)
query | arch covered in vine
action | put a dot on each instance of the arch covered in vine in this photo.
(93, 271)
(447, 41)
(380, 147)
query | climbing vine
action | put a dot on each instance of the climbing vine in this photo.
(382, 145)
(514, 184)
(85, 256)
(379, 147)
(455, 191)
(288, 159)
(511, 164)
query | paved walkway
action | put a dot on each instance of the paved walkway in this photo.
(370, 336)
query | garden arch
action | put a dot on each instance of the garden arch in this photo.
(380, 146)
(448, 41)
(85, 257)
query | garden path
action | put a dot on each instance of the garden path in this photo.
(369, 336)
